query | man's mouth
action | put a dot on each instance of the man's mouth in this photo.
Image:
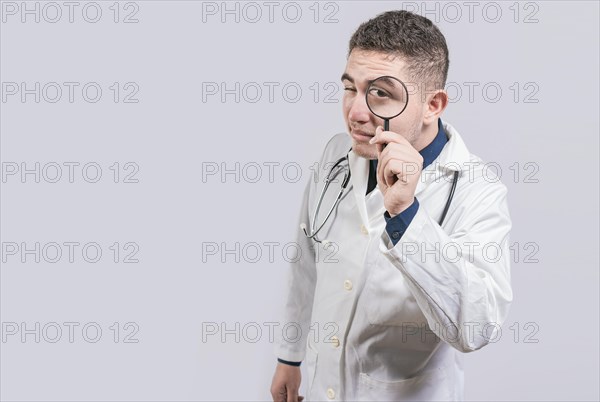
(361, 136)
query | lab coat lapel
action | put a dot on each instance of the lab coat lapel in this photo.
(359, 167)
(374, 201)
(454, 156)
(421, 183)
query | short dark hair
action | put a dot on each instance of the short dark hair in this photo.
(411, 36)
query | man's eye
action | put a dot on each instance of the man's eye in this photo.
(349, 89)
(380, 93)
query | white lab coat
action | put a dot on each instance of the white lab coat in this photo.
(387, 323)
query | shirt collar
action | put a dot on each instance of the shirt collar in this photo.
(433, 150)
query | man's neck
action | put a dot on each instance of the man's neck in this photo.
(427, 136)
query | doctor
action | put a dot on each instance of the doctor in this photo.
(389, 313)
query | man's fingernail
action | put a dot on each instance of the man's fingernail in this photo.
(372, 140)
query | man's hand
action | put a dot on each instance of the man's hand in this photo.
(286, 383)
(398, 170)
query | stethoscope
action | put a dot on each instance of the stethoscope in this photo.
(383, 95)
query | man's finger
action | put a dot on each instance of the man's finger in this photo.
(396, 170)
(292, 395)
(281, 396)
(375, 139)
(386, 137)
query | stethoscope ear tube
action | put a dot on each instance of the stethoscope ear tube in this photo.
(447, 207)
(313, 233)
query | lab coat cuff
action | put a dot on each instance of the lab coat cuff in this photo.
(286, 353)
(295, 364)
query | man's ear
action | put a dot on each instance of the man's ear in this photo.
(435, 106)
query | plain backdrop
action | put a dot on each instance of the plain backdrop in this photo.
(186, 171)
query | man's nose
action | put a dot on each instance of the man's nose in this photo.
(359, 111)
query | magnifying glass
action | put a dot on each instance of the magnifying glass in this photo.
(387, 97)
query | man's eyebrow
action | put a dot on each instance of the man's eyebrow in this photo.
(385, 79)
(346, 76)
(388, 81)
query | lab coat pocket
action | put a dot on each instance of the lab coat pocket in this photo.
(387, 298)
(426, 386)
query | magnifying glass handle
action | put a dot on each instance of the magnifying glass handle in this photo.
(386, 127)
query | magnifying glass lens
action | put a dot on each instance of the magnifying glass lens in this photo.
(387, 97)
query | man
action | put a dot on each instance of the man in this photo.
(389, 316)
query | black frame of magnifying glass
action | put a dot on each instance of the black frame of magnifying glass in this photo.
(386, 120)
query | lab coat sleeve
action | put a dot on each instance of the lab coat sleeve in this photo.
(301, 282)
(461, 280)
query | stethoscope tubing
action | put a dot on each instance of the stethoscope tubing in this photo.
(313, 234)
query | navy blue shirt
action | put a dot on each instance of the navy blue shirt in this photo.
(396, 226)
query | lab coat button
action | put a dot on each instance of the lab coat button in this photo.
(347, 284)
(330, 393)
(335, 341)
(363, 229)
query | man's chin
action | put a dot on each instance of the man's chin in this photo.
(364, 149)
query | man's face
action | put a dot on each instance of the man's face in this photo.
(362, 67)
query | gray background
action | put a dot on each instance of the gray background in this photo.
(175, 291)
